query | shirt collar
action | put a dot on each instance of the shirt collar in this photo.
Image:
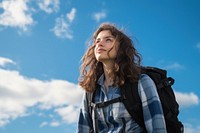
(101, 80)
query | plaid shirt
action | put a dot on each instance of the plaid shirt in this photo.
(116, 119)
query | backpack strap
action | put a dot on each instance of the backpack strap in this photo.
(106, 103)
(130, 99)
(93, 106)
(133, 103)
(89, 96)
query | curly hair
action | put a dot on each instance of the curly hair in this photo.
(126, 63)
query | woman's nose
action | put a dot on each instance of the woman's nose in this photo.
(100, 43)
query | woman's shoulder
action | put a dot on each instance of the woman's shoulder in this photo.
(146, 85)
(144, 78)
(145, 81)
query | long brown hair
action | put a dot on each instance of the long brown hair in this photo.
(126, 64)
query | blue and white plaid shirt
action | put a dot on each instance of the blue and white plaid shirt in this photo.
(116, 119)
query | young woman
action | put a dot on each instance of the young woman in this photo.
(109, 62)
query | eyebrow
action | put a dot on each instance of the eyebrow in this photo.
(105, 37)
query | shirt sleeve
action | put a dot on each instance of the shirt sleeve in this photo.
(152, 108)
(85, 120)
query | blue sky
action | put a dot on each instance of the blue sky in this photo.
(42, 42)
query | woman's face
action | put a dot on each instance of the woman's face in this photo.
(105, 46)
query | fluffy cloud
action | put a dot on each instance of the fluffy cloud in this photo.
(175, 66)
(187, 99)
(49, 6)
(191, 128)
(54, 123)
(62, 26)
(71, 15)
(19, 93)
(198, 46)
(5, 61)
(69, 114)
(45, 123)
(16, 13)
(99, 15)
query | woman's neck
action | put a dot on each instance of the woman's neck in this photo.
(108, 74)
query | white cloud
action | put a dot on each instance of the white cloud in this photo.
(69, 114)
(187, 99)
(52, 124)
(5, 61)
(191, 128)
(16, 13)
(45, 123)
(99, 15)
(49, 6)
(198, 46)
(21, 93)
(62, 26)
(55, 124)
(71, 15)
(174, 66)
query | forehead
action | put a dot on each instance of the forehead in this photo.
(104, 34)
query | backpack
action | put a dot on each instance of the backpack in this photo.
(132, 102)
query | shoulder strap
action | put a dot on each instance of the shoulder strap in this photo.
(133, 103)
(130, 99)
(89, 96)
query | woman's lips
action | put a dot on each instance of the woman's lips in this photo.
(100, 50)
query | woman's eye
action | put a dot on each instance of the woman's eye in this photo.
(108, 40)
(97, 41)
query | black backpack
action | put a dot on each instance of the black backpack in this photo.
(132, 102)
